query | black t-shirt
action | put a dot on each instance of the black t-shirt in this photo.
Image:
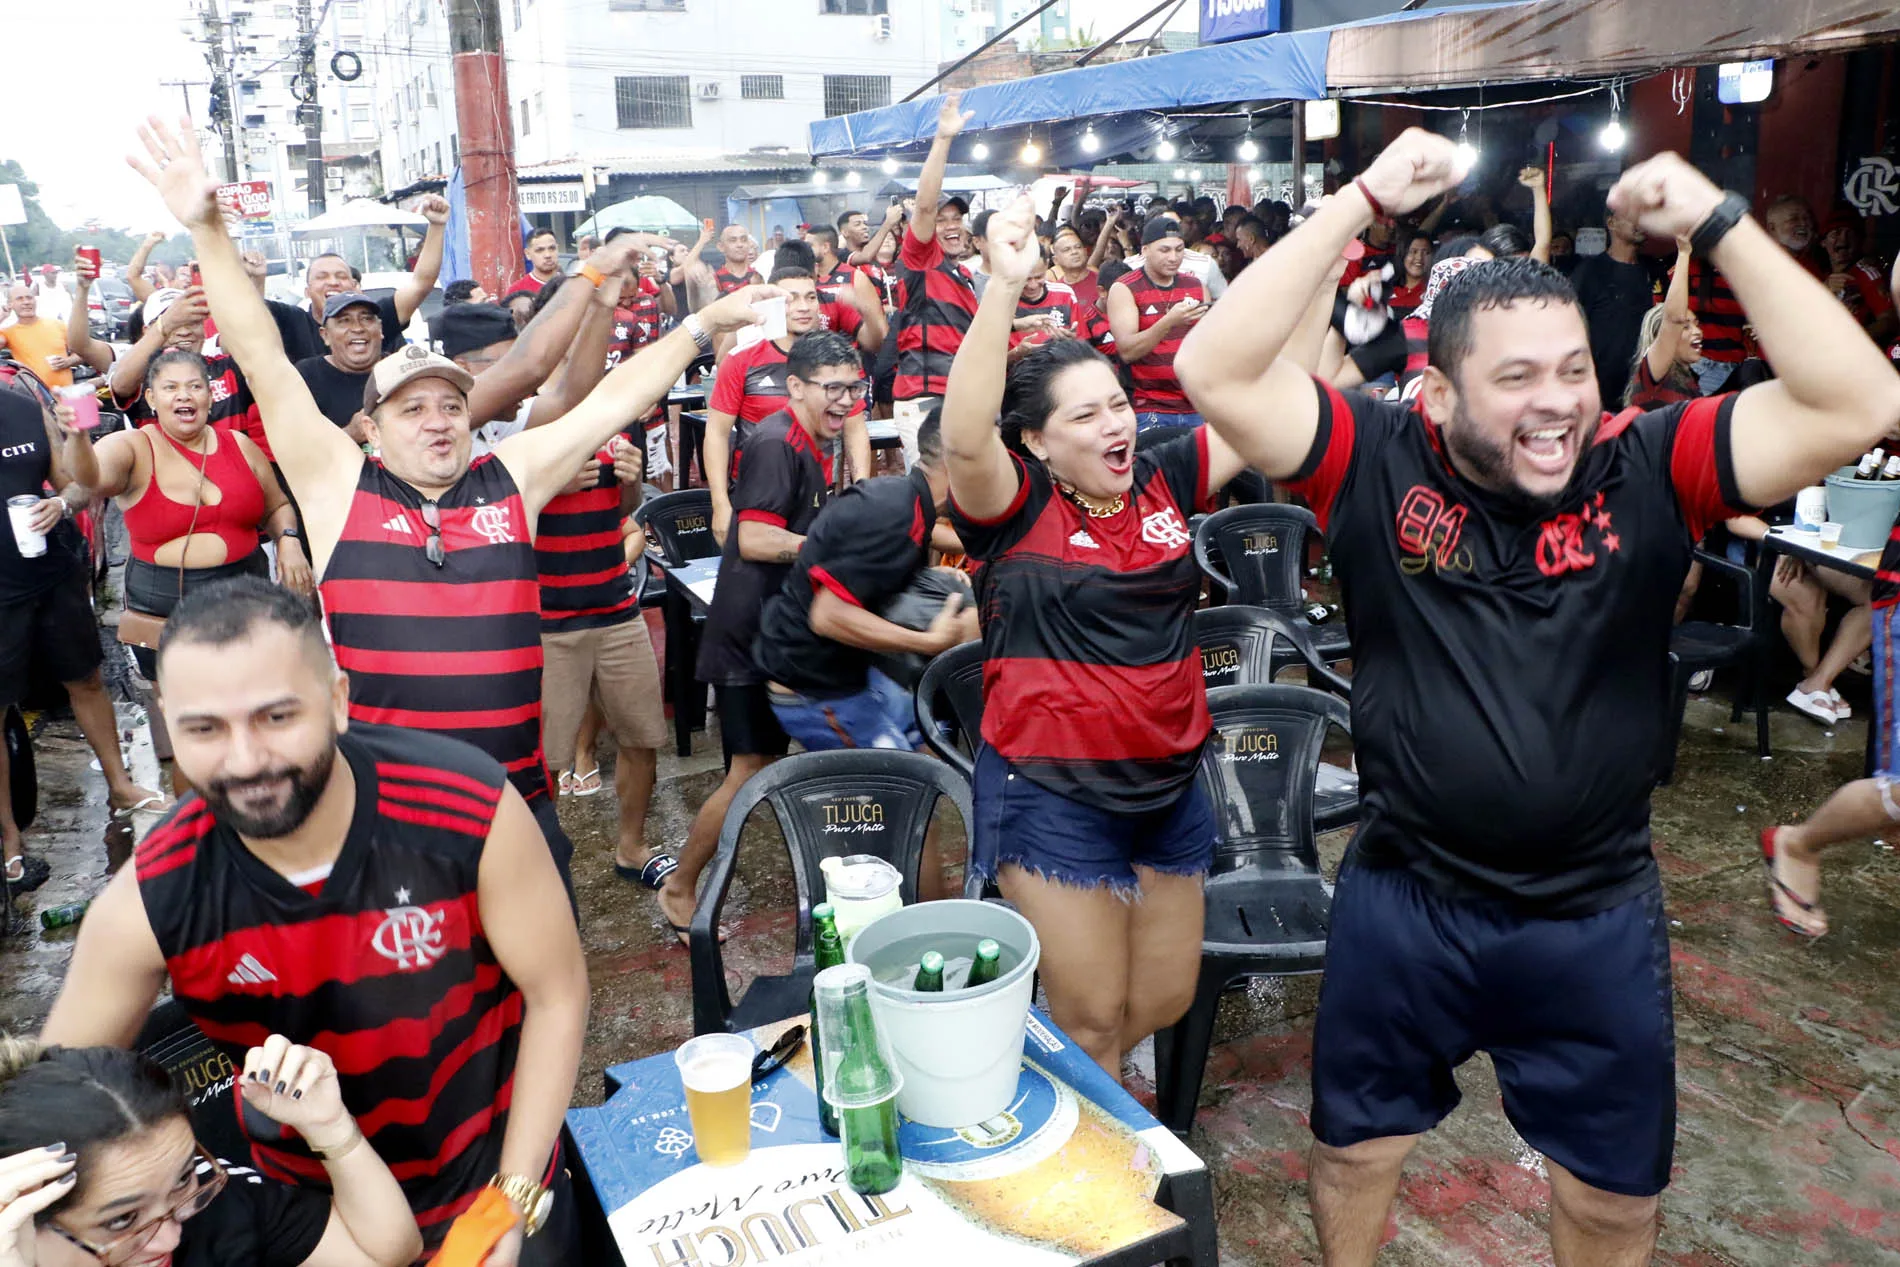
(26, 463)
(303, 339)
(254, 1222)
(865, 548)
(1615, 298)
(1511, 670)
(783, 482)
(338, 393)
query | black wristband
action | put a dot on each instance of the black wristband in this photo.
(1727, 214)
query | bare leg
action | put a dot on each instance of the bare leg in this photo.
(101, 726)
(680, 892)
(1164, 953)
(10, 840)
(1593, 1228)
(1803, 611)
(587, 740)
(634, 772)
(1352, 1190)
(1855, 812)
(1084, 936)
(1855, 635)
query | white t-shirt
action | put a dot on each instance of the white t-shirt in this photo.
(1206, 271)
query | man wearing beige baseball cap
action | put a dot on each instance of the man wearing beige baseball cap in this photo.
(425, 559)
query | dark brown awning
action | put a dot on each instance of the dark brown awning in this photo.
(1589, 39)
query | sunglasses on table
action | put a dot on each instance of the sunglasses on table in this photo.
(206, 1182)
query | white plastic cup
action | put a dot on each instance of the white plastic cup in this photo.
(716, 1072)
(772, 317)
(19, 511)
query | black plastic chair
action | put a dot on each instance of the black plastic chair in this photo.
(1257, 554)
(954, 678)
(1747, 645)
(679, 526)
(206, 1075)
(1268, 907)
(892, 791)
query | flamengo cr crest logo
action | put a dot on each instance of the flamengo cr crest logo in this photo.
(1165, 529)
(410, 935)
(492, 522)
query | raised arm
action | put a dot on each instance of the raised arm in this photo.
(1836, 394)
(1662, 353)
(950, 121)
(116, 973)
(1532, 178)
(543, 459)
(127, 375)
(1260, 401)
(983, 475)
(79, 340)
(435, 209)
(316, 457)
(586, 361)
(870, 306)
(893, 219)
(135, 271)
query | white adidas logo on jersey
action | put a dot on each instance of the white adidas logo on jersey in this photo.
(397, 524)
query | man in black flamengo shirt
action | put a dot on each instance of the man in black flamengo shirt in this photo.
(380, 894)
(785, 477)
(1511, 557)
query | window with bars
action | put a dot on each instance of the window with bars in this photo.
(524, 116)
(846, 94)
(762, 87)
(657, 101)
(854, 7)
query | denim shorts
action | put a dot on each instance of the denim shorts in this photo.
(1886, 657)
(1150, 419)
(1048, 835)
(879, 716)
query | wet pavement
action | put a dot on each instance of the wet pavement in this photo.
(1788, 1148)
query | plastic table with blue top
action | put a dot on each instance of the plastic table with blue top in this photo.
(1074, 1172)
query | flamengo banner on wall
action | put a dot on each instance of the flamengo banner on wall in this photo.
(1223, 20)
(566, 196)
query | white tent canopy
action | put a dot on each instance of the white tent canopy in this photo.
(361, 213)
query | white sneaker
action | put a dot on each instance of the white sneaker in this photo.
(1841, 711)
(1815, 704)
(1701, 680)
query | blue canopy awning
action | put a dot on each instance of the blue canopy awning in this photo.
(1290, 67)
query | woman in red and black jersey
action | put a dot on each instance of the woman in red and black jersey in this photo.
(1087, 812)
(1668, 346)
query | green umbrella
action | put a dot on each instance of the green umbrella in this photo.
(649, 213)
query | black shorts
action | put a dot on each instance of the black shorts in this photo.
(53, 633)
(747, 725)
(1575, 1014)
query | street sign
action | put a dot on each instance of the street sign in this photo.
(1223, 20)
(564, 196)
(12, 209)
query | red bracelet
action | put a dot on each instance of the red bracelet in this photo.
(1378, 209)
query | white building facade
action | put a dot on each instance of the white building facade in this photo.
(967, 24)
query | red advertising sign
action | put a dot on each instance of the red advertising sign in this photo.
(250, 199)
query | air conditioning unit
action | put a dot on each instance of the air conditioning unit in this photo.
(709, 90)
(881, 27)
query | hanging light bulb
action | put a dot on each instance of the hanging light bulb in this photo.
(1165, 151)
(1180, 173)
(1090, 141)
(1195, 175)
(1032, 153)
(851, 179)
(1467, 152)
(889, 166)
(979, 151)
(1613, 136)
(821, 178)
(1248, 150)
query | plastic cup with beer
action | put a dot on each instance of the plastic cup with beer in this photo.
(716, 1070)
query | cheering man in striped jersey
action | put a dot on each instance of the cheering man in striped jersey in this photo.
(425, 559)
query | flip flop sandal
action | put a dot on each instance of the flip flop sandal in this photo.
(33, 872)
(1842, 711)
(1777, 885)
(1814, 703)
(566, 782)
(153, 802)
(651, 874)
(585, 784)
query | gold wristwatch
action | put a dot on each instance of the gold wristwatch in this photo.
(529, 1196)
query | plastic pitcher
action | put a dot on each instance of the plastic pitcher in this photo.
(960, 1051)
(861, 887)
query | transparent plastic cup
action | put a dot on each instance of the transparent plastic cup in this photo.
(716, 1070)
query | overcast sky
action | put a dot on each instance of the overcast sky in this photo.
(89, 70)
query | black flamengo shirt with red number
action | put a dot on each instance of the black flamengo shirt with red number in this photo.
(386, 969)
(578, 551)
(1511, 665)
(1092, 679)
(939, 303)
(454, 649)
(1156, 388)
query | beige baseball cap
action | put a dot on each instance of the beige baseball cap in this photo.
(414, 361)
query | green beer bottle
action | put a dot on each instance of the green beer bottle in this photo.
(871, 1160)
(988, 965)
(828, 950)
(63, 916)
(929, 974)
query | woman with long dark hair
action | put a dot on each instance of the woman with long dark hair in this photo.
(1087, 811)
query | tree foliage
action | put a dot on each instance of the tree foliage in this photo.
(40, 241)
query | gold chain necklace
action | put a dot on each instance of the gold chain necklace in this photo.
(1093, 511)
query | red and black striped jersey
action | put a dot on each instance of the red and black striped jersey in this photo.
(885, 280)
(729, 282)
(1156, 387)
(1091, 676)
(1717, 311)
(454, 649)
(637, 321)
(232, 406)
(578, 551)
(939, 301)
(838, 283)
(387, 969)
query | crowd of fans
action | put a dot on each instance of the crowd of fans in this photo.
(386, 592)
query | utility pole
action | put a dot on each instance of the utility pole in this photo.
(488, 160)
(223, 108)
(311, 110)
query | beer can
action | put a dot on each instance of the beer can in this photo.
(91, 255)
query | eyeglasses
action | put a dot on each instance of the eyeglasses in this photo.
(835, 392)
(432, 519)
(207, 1181)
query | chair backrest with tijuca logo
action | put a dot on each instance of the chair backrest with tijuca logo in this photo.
(1258, 769)
(1258, 553)
(680, 524)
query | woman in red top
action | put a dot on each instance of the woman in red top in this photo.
(1415, 269)
(1668, 346)
(1087, 810)
(194, 497)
